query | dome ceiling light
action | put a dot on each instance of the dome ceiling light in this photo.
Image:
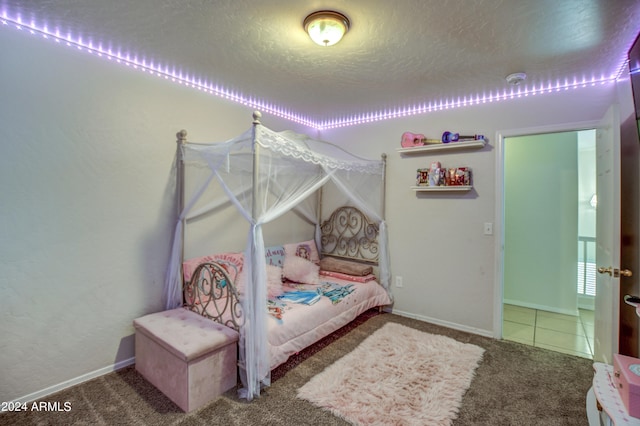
(516, 78)
(326, 27)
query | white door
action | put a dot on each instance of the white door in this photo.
(607, 300)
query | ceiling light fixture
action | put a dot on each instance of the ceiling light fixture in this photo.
(516, 78)
(326, 27)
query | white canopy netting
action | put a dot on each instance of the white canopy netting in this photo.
(266, 174)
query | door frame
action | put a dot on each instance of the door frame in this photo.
(499, 206)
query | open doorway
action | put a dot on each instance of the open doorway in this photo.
(549, 240)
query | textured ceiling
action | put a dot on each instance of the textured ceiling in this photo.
(397, 53)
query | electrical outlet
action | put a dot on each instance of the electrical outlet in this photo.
(398, 281)
(488, 228)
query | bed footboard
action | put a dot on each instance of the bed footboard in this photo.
(212, 294)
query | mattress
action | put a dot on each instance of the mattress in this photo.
(299, 325)
(302, 325)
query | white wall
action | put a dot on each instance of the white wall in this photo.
(436, 241)
(586, 184)
(87, 205)
(541, 221)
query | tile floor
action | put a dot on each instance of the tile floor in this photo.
(562, 333)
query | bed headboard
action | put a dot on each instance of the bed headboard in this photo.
(350, 234)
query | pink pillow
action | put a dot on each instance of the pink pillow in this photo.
(305, 249)
(231, 262)
(274, 282)
(301, 270)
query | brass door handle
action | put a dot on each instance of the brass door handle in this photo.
(623, 272)
(615, 272)
(608, 270)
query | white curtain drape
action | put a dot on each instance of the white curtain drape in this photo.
(283, 170)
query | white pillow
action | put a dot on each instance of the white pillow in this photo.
(274, 282)
(300, 270)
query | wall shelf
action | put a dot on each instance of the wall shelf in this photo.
(461, 188)
(443, 147)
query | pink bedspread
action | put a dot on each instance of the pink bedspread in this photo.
(303, 325)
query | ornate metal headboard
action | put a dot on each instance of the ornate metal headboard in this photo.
(349, 234)
(212, 294)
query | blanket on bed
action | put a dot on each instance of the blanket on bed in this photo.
(300, 296)
(335, 292)
(304, 295)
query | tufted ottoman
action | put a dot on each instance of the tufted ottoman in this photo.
(191, 359)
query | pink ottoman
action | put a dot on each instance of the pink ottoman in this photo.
(191, 359)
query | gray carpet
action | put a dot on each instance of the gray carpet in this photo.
(514, 385)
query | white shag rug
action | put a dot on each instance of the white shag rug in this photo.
(397, 376)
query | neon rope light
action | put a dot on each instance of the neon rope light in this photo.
(440, 105)
(157, 70)
(268, 107)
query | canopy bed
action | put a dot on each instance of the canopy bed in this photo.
(340, 272)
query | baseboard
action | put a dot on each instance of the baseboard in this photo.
(452, 325)
(574, 313)
(76, 381)
(586, 302)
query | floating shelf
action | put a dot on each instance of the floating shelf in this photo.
(443, 146)
(461, 188)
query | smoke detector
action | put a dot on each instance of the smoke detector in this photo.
(516, 78)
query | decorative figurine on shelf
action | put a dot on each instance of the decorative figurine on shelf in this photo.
(410, 140)
(456, 137)
(422, 177)
(459, 176)
(436, 174)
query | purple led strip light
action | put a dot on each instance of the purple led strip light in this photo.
(297, 118)
(157, 71)
(470, 101)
